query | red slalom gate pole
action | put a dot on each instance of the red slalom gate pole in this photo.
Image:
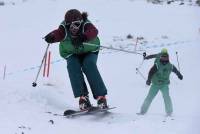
(49, 61)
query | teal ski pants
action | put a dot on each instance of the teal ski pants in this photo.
(152, 93)
(77, 66)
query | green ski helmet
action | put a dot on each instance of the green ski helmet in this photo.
(164, 58)
(164, 51)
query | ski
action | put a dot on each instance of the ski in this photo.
(72, 113)
(69, 113)
(100, 110)
(165, 118)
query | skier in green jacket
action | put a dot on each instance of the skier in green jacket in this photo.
(159, 76)
(74, 32)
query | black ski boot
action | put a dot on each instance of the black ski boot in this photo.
(101, 102)
(84, 103)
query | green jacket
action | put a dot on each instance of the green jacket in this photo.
(161, 76)
(66, 48)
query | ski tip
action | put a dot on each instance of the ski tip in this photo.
(69, 112)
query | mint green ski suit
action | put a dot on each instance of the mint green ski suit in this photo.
(159, 77)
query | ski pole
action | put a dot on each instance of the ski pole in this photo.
(112, 48)
(34, 84)
(49, 60)
(136, 44)
(178, 61)
(144, 55)
(141, 64)
(45, 65)
(138, 71)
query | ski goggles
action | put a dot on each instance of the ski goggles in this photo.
(164, 58)
(75, 24)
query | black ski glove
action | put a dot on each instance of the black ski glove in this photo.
(180, 76)
(144, 55)
(49, 38)
(148, 82)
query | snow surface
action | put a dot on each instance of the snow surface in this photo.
(23, 107)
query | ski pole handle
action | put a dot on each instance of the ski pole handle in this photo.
(144, 54)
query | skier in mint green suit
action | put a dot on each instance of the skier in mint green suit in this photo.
(159, 76)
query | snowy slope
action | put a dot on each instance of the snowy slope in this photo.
(23, 108)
